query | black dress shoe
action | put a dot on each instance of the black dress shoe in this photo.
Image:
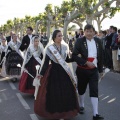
(82, 110)
(98, 117)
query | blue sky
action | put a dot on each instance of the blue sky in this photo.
(19, 8)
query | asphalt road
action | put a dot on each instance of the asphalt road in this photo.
(15, 105)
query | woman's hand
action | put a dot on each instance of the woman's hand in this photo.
(39, 76)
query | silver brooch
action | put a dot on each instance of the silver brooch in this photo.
(97, 45)
(55, 52)
(85, 45)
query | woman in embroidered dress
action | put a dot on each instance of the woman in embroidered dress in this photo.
(3, 48)
(13, 57)
(33, 57)
(56, 98)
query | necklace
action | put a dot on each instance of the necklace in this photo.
(58, 48)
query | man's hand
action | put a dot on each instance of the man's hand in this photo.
(90, 64)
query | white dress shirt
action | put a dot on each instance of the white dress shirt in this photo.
(92, 50)
(30, 36)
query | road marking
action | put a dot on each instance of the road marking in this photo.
(23, 102)
(3, 90)
(5, 78)
(105, 97)
(112, 100)
(33, 117)
(12, 85)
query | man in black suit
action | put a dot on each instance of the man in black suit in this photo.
(108, 50)
(26, 39)
(87, 53)
(44, 39)
(9, 38)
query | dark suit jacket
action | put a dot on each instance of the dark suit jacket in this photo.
(8, 39)
(108, 40)
(25, 43)
(80, 52)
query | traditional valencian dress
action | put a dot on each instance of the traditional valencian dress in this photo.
(57, 97)
(13, 57)
(3, 49)
(33, 57)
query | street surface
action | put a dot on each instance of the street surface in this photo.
(15, 105)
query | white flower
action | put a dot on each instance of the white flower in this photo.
(37, 67)
(107, 70)
(18, 65)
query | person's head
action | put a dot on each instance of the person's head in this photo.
(14, 37)
(3, 41)
(75, 32)
(89, 31)
(29, 30)
(102, 33)
(114, 29)
(57, 36)
(81, 31)
(1, 35)
(44, 34)
(11, 33)
(119, 32)
(36, 40)
(110, 29)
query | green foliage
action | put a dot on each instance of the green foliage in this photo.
(22, 20)
(107, 4)
(48, 8)
(9, 24)
(113, 11)
(71, 28)
(73, 3)
(88, 11)
(66, 7)
(59, 13)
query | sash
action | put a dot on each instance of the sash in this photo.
(15, 47)
(3, 48)
(90, 59)
(36, 57)
(62, 62)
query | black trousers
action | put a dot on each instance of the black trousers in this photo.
(108, 58)
(86, 77)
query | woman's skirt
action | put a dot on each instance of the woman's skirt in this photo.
(57, 98)
(26, 81)
(12, 60)
(1, 61)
